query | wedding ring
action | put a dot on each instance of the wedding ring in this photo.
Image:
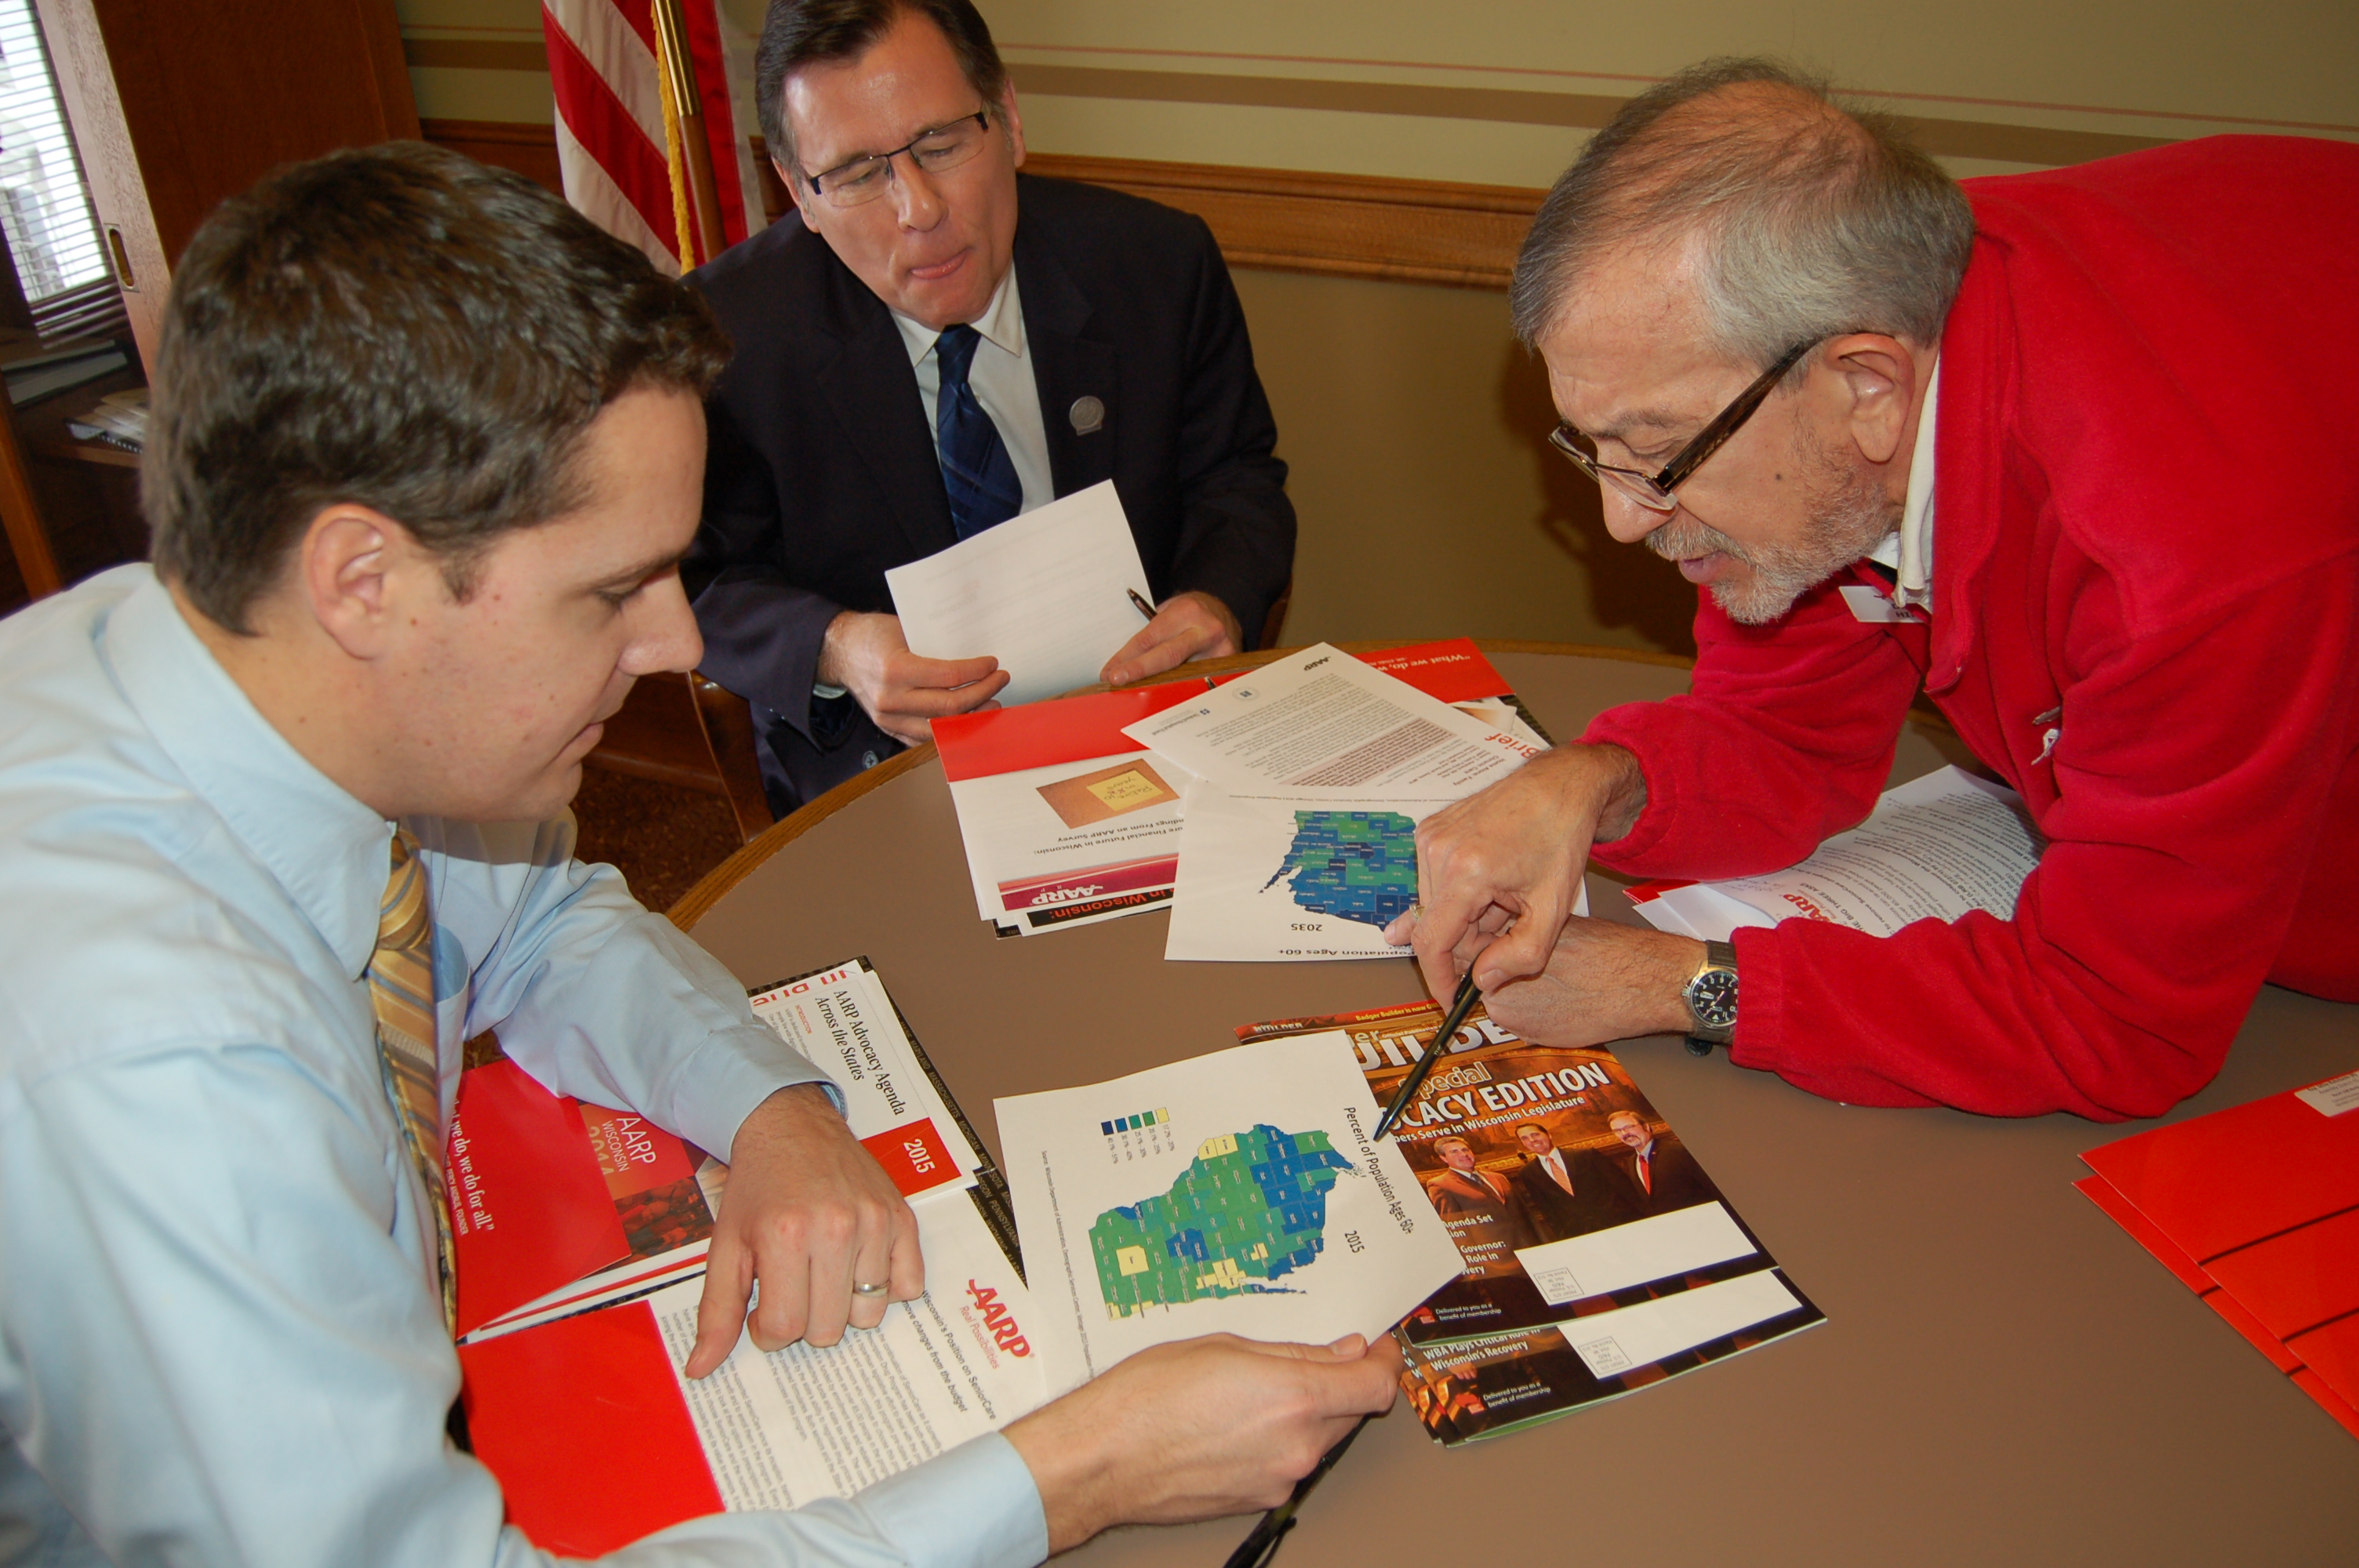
(870, 1289)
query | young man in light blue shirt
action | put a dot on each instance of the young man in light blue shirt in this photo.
(428, 449)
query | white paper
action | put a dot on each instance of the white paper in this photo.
(1047, 594)
(2333, 1097)
(1612, 1343)
(787, 1428)
(1934, 848)
(844, 1023)
(1655, 1248)
(1293, 878)
(1320, 724)
(1023, 858)
(1145, 1207)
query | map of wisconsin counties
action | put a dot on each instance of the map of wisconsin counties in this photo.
(1355, 865)
(1251, 1208)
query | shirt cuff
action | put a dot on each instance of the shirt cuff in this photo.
(734, 1071)
(974, 1506)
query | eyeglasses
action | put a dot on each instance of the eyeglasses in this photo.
(1654, 492)
(937, 151)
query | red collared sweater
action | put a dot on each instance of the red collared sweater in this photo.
(2145, 539)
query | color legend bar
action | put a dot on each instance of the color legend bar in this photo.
(1132, 1123)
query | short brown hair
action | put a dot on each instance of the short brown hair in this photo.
(800, 32)
(400, 328)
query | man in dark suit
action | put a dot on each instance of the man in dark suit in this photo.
(1566, 1192)
(936, 346)
(1658, 1174)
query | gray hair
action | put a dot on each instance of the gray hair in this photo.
(1815, 219)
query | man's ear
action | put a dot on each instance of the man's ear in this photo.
(794, 193)
(1014, 120)
(356, 568)
(1879, 379)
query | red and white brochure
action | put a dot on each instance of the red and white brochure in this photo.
(1068, 821)
(2255, 1208)
(546, 1191)
(598, 1438)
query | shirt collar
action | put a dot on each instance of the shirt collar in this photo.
(326, 849)
(1001, 323)
(1909, 552)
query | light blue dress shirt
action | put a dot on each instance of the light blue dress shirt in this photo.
(220, 1337)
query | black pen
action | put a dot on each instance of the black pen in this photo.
(1262, 1544)
(1144, 608)
(1459, 1005)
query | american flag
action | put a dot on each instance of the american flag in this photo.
(622, 140)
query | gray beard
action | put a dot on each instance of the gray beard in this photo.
(1848, 516)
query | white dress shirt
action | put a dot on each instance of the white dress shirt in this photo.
(221, 1334)
(1909, 552)
(1002, 378)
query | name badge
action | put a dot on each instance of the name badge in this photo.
(1870, 605)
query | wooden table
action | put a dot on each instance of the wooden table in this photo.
(2004, 1375)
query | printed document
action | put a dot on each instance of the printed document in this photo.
(787, 1428)
(1322, 723)
(1236, 1192)
(1047, 594)
(1934, 848)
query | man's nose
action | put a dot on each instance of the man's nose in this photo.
(1627, 520)
(913, 188)
(666, 639)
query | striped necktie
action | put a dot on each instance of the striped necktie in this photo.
(401, 987)
(977, 472)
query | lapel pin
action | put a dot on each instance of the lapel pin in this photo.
(1088, 415)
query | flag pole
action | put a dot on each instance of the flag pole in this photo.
(678, 69)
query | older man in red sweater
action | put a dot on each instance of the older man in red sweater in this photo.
(2083, 446)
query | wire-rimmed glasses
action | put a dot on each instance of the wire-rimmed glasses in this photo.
(937, 151)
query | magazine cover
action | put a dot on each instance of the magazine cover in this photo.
(1599, 1257)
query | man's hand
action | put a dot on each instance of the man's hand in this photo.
(809, 1214)
(903, 691)
(1197, 1430)
(1187, 626)
(1603, 981)
(1514, 855)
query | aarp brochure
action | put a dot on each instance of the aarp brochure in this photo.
(1320, 724)
(1066, 819)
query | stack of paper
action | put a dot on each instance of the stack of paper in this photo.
(2255, 1209)
(1308, 778)
(1070, 817)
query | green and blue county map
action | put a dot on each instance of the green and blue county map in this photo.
(1355, 865)
(1250, 1209)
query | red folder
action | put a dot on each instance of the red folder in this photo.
(582, 1421)
(2257, 1209)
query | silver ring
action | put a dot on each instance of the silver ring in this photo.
(870, 1289)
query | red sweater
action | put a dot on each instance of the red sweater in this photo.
(2145, 518)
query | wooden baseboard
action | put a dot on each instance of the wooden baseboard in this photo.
(1338, 225)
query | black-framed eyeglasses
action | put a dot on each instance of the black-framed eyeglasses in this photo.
(936, 151)
(1653, 491)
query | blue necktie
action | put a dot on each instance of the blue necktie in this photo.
(976, 469)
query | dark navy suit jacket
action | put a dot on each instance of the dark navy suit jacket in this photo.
(822, 473)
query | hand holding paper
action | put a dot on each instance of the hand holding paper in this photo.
(1047, 595)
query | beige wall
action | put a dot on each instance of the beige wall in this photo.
(1430, 505)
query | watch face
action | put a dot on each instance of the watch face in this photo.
(1711, 997)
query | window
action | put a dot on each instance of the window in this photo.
(44, 210)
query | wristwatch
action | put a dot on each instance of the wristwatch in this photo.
(1711, 996)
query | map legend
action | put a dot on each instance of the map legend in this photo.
(1139, 1136)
